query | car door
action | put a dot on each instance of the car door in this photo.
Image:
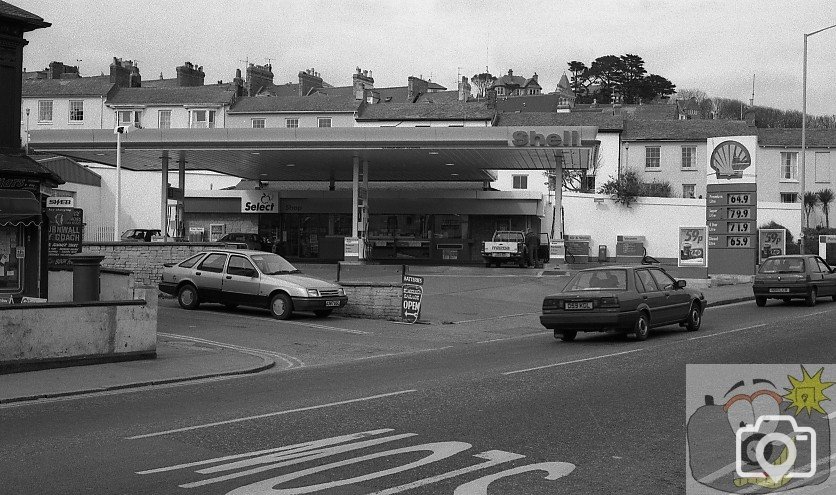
(651, 295)
(828, 285)
(209, 277)
(241, 282)
(677, 300)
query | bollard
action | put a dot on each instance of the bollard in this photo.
(86, 277)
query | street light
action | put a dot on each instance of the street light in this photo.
(804, 134)
(122, 129)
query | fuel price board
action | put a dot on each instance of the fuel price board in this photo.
(731, 218)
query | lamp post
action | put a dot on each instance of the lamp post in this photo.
(122, 129)
(804, 135)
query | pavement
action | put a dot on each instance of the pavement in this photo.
(180, 360)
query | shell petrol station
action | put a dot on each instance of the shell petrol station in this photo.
(380, 194)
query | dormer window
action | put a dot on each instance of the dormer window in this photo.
(202, 119)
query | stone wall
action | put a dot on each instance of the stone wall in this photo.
(372, 300)
(144, 259)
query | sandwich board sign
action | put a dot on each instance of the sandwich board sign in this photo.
(412, 290)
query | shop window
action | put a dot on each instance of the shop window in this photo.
(789, 165)
(448, 226)
(164, 119)
(76, 111)
(11, 237)
(652, 157)
(520, 181)
(45, 111)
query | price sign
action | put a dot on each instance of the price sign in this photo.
(740, 199)
(738, 213)
(771, 242)
(692, 246)
(739, 227)
(738, 241)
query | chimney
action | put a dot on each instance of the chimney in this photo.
(120, 72)
(464, 89)
(510, 73)
(362, 81)
(309, 81)
(258, 77)
(749, 116)
(55, 70)
(238, 83)
(534, 77)
(491, 98)
(415, 88)
(189, 74)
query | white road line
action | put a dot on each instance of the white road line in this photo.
(727, 332)
(496, 318)
(573, 362)
(268, 415)
(291, 361)
(517, 337)
(326, 327)
(270, 320)
(389, 354)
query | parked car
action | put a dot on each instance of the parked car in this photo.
(622, 298)
(242, 240)
(799, 276)
(139, 235)
(249, 278)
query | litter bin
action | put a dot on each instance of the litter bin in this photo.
(86, 277)
(602, 253)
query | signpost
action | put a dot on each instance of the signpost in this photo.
(771, 242)
(413, 290)
(66, 227)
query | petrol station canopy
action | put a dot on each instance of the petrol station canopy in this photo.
(312, 154)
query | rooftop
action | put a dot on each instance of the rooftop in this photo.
(80, 86)
(791, 138)
(189, 95)
(314, 103)
(33, 21)
(451, 111)
(682, 130)
(601, 121)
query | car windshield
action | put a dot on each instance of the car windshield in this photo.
(599, 280)
(273, 264)
(508, 237)
(783, 265)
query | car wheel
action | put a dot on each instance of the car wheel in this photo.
(692, 324)
(281, 306)
(761, 301)
(230, 305)
(187, 297)
(521, 263)
(322, 313)
(642, 328)
(811, 297)
(568, 335)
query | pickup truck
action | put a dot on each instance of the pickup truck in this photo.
(506, 246)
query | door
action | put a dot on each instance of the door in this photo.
(209, 275)
(241, 282)
(651, 295)
(676, 300)
(828, 284)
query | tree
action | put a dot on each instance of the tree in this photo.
(825, 197)
(482, 82)
(580, 77)
(624, 75)
(654, 86)
(811, 199)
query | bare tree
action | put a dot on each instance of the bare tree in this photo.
(482, 82)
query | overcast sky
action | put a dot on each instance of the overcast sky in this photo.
(716, 46)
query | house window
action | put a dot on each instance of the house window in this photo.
(789, 197)
(590, 183)
(164, 119)
(128, 117)
(202, 119)
(689, 157)
(500, 90)
(323, 122)
(291, 123)
(689, 191)
(823, 166)
(76, 111)
(520, 181)
(789, 165)
(45, 111)
(652, 157)
(259, 123)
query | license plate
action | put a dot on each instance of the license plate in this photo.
(572, 305)
(503, 255)
(779, 290)
(329, 304)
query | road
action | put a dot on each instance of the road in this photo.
(431, 409)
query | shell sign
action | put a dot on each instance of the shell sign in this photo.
(732, 159)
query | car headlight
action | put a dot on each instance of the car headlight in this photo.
(340, 291)
(313, 293)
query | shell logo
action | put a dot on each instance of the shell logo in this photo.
(729, 159)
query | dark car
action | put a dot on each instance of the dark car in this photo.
(798, 276)
(242, 240)
(140, 235)
(626, 299)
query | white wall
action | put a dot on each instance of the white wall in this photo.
(425, 123)
(278, 120)
(94, 114)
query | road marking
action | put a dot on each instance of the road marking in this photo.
(517, 337)
(268, 319)
(496, 317)
(291, 361)
(727, 332)
(326, 327)
(573, 362)
(402, 353)
(268, 415)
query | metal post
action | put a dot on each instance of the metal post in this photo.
(181, 207)
(164, 196)
(118, 187)
(364, 219)
(803, 142)
(355, 196)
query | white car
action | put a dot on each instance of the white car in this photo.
(249, 278)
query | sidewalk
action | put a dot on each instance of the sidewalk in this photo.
(183, 360)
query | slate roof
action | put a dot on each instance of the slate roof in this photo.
(512, 80)
(612, 123)
(69, 170)
(791, 138)
(438, 97)
(313, 103)
(161, 83)
(9, 11)
(20, 165)
(196, 95)
(452, 111)
(529, 103)
(683, 130)
(80, 86)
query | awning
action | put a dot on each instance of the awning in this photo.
(19, 207)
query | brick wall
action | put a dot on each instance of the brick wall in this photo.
(372, 300)
(146, 259)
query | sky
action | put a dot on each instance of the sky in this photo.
(715, 46)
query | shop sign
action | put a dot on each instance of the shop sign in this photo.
(66, 229)
(60, 202)
(259, 202)
(692, 246)
(732, 160)
(771, 242)
(32, 185)
(20, 252)
(413, 290)
(554, 140)
(351, 248)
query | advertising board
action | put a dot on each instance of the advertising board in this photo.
(413, 291)
(66, 230)
(692, 246)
